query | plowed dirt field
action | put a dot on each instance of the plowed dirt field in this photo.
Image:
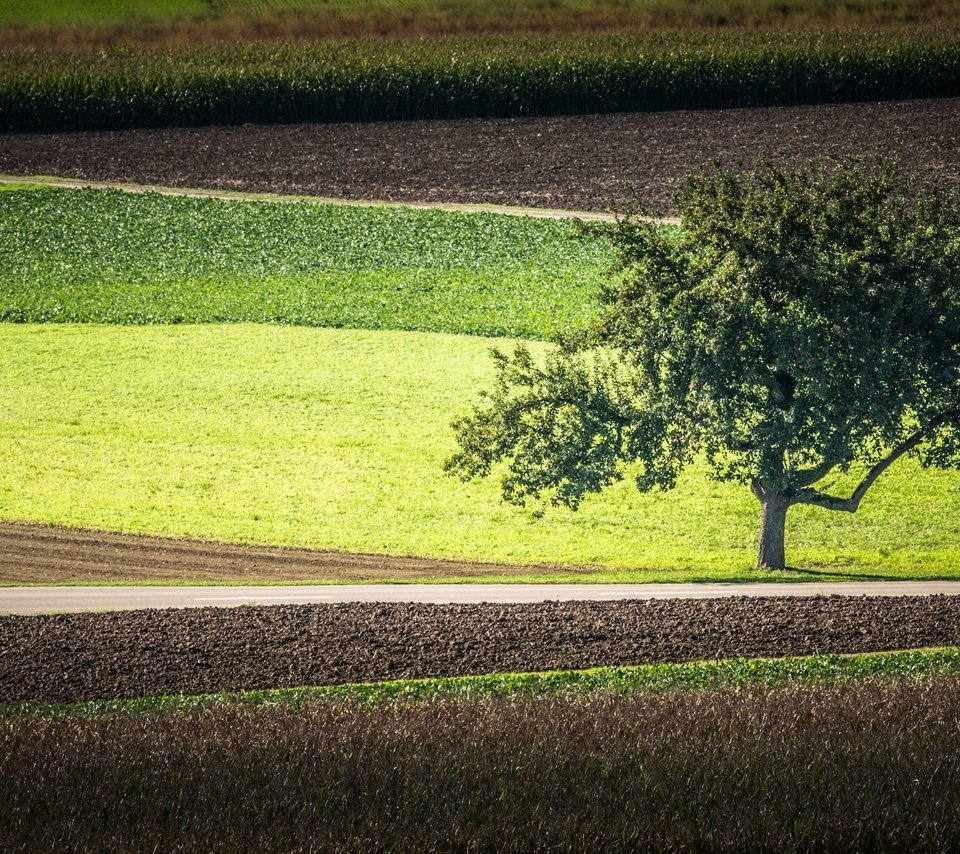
(37, 554)
(69, 657)
(589, 163)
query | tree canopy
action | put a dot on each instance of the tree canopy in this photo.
(799, 322)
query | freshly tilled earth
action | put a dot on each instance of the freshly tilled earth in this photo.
(41, 554)
(588, 163)
(70, 657)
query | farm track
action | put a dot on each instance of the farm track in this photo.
(587, 163)
(235, 195)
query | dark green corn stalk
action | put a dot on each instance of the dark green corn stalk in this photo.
(804, 322)
(455, 78)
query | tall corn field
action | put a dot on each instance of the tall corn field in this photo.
(466, 78)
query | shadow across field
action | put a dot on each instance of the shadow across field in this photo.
(791, 573)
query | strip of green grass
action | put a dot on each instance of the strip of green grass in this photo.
(106, 256)
(84, 11)
(493, 14)
(735, 672)
(335, 439)
(18, 186)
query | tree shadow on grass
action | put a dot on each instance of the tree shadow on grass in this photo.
(826, 574)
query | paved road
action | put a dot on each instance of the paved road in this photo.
(44, 600)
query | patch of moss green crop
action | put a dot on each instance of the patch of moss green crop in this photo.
(735, 672)
(17, 186)
(105, 256)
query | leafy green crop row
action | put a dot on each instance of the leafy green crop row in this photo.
(731, 672)
(112, 257)
(448, 78)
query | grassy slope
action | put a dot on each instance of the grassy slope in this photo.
(114, 257)
(334, 438)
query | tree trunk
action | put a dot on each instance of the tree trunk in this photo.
(773, 517)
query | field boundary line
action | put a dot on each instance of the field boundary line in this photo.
(238, 195)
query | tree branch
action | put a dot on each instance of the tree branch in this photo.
(850, 505)
(808, 477)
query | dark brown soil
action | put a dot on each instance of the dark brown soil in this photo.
(572, 162)
(134, 653)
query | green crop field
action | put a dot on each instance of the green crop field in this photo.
(360, 80)
(114, 257)
(335, 439)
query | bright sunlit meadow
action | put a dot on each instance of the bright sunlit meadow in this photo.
(336, 439)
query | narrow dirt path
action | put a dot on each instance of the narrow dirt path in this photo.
(235, 195)
(72, 599)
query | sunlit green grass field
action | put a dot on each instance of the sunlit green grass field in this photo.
(336, 438)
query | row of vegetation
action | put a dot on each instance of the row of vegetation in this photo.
(112, 257)
(844, 765)
(494, 76)
(809, 670)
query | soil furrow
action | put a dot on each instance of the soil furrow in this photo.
(33, 554)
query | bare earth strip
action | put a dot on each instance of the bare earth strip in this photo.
(195, 650)
(36, 554)
(585, 163)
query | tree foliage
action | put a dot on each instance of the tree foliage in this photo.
(800, 322)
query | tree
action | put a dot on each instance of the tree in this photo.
(799, 323)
